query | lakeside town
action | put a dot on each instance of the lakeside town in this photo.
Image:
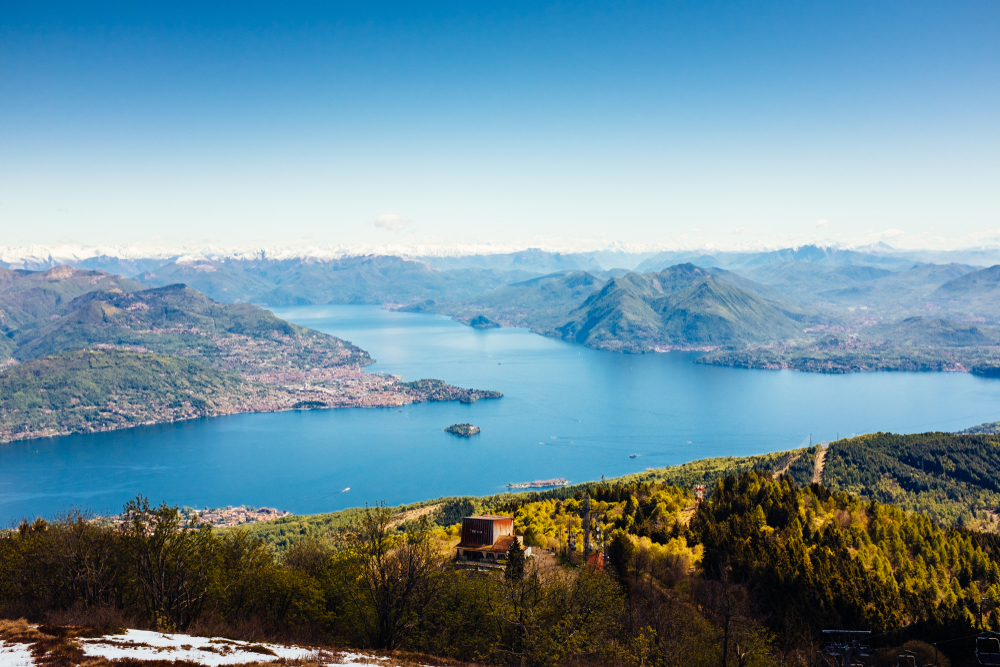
(218, 517)
(229, 516)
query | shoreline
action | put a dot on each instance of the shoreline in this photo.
(419, 391)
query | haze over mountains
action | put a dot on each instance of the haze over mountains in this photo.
(808, 308)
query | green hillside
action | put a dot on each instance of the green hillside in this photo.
(804, 281)
(973, 294)
(946, 476)
(935, 331)
(682, 306)
(984, 282)
(94, 390)
(895, 294)
(180, 320)
(28, 295)
(912, 344)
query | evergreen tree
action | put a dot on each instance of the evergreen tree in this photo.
(514, 571)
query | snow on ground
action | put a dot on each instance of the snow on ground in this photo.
(147, 645)
(15, 655)
(208, 651)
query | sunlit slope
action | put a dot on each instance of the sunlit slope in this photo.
(683, 306)
(94, 390)
(176, 320)
(28, 295)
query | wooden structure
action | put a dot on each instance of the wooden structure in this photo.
(487, 537)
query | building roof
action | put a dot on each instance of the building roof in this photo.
(502, 544)
(490, 517)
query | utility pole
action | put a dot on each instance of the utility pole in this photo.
(586, 527)
(981, 601)
(570, 542)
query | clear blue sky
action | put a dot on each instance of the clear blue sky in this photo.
(637, 121)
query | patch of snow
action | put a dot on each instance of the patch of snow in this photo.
(148, 645)
(15, 655)
(352, 659)
(208, 651)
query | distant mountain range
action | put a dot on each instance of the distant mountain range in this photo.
(642, 257)
(350, 280)
(808, 308)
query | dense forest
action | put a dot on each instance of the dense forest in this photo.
(750, 576)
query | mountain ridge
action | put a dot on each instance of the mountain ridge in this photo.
(682, 306)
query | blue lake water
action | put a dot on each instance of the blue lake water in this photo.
(567, 412)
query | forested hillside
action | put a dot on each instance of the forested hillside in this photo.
(952, 478)
(97, 390)
(682, 306)
(180, 320)
(751, 576)
(26, 296)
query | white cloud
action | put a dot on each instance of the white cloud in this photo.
(823, 222)
(391, 221)
(739, 230)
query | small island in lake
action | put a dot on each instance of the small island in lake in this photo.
(483, 322)
(464, 430)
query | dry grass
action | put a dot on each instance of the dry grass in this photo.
(18, 632)
(51, 646)
(413, 515)
(52, 651)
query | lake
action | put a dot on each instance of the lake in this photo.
(568, 411)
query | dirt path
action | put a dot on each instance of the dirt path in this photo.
(686, 514)
(413, 514)
(818, 468)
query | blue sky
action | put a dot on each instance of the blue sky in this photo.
(720, 122)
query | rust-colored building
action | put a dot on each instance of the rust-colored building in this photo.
(487, 538)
